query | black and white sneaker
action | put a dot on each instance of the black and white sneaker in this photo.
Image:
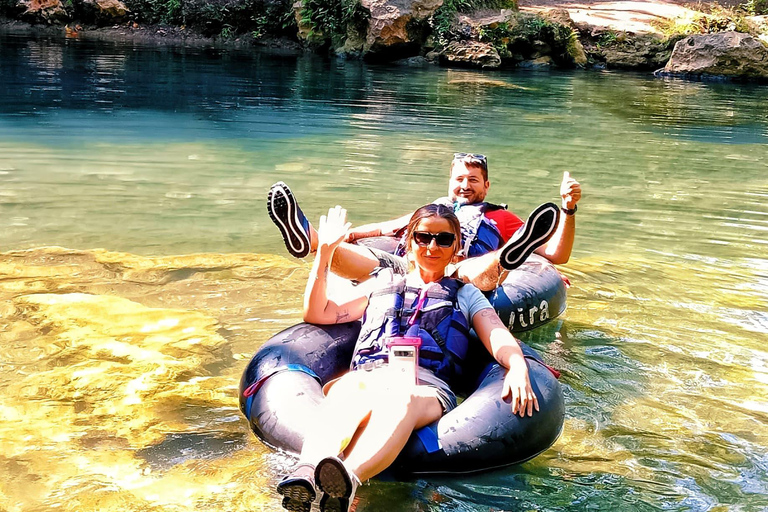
(338, 485)
(289, 219)
(298, 489)
(538, 229)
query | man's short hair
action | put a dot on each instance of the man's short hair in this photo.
(472, 160)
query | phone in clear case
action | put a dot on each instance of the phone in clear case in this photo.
(404, 356)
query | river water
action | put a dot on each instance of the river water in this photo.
(142, 270)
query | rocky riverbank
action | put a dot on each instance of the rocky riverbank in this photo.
(488, 34)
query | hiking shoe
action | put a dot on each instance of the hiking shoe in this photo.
(298, 489)
(338, 485)
(289, 219)
(538, 229)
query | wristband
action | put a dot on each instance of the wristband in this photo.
(570, 212)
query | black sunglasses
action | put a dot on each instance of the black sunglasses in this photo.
(444, 239)
(474, 156)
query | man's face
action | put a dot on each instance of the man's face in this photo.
(467, 184)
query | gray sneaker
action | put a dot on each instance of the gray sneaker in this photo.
(536, 231)
(298, 488)
(337, 484)
(289, 219)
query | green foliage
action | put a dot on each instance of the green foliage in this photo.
(755, 7)
(157, 11)
(609, 38)
(521, 37)
(172, 11)
(225, 18)
(9, 7)
(331, 19)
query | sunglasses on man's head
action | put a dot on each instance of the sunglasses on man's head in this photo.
(473, 156)
(444, 239)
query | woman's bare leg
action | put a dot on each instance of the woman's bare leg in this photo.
(396, 414)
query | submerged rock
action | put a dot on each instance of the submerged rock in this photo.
(729, 54)
(540, 63)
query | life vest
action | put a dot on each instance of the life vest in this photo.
(442, 327)
(479, 235)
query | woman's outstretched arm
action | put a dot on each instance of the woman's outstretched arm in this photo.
(506, 350)
(318, 309)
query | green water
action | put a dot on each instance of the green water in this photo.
(122, 366)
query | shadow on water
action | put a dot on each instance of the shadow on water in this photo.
(178, 448)
(696, 111)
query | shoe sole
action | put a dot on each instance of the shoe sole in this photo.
(298, 495)
(332, 478)
(538, 229)
(285, 213)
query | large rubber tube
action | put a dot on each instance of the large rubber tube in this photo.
(530, 296)
(281, 388)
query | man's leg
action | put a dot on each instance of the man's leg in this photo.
(489, 270)
(349, 261)
(482, 271)
(353, 262)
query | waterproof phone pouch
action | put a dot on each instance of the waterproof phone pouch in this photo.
(404, 356)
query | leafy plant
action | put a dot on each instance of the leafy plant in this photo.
(332, 18)
(522, 36)
(157, 11)
(172, 11)
(755, 7)
(609, 38)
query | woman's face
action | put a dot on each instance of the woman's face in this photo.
(432, 257)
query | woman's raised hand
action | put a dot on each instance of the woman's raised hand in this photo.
(332, 228)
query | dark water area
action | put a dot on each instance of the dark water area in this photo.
(159, 154)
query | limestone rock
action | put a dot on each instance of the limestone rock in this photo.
(390, 20)
(574, 48)
(107, 11)
(49, 11)
(471, 53)
(731, 54)
(626, 50)
(560, 16)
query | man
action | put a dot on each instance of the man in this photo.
(493, 241)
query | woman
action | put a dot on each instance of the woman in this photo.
(369, 413)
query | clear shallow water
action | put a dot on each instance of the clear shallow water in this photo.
(122, 367)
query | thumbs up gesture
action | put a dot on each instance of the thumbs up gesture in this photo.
(570, 191)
